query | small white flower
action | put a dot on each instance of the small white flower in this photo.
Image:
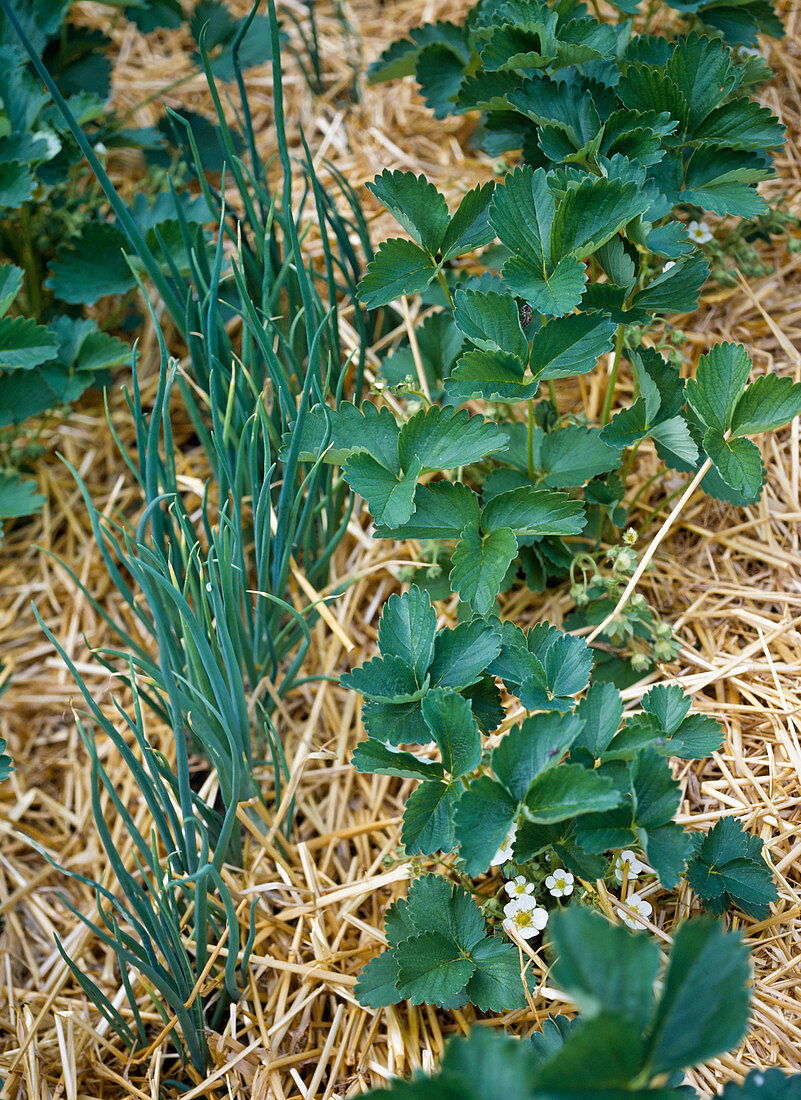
(524, 918)
(640, 906)
(505, 853)
(560, 883)
(748, 51)
(100, 149)
(668, 266)
(633, 869)
(518, 887)
(699, 232)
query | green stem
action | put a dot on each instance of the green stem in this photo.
(33, 275)
(629, 460)
(552, 394)
(444, 284)
(610, 387)
(530, 440)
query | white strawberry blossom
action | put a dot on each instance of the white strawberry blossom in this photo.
(670, 264)
(627, 861)
(519, 887)
(505, 852)
(699, 232)
(560, 883)
(524, 918)
(641, 907)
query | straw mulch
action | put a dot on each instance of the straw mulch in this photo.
(730, 579)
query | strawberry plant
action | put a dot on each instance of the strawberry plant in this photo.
(641, 1025)
(576, 255)
(559, 796)
(588, 83)
(578, 269)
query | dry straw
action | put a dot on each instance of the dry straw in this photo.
(730, 579)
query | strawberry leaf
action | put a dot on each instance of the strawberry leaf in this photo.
(769, 402)
(736, 460)
(415, 204)
(389, 493)
(91, 266)
(469, 227)
(490, 321)
(493, 375)
(528, 511)
(728, 868)
(570, 345)
(480, 562)
(399, 267)
(721, 378)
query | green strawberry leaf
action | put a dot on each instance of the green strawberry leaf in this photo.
(496, 984)
(91, 266)
(376, 758)
(461, 655)
(441, 511)
(720, 380)
(676, 290)
(531, 748)
(479, 564)
(553, 292)
(668, 704)
(574, 455)
(566, 792)
(570, 345)
(493, 375)
(10, 285)
(484, 816)
(728, 868)
(428, 819)
(703, 1009)
(384, 679)
(18, 497)
(398, 267)
(24, 344)
(444, 438)
(528, 511)
(454, 730)
(407, 628)
(400, 58)
(439, 74)
(490, 321)
(432, 970)
(377, 986)
(602, 967)
(769, 402)
(736, 460)
(389, 493)
(469, 227)
(600, 711)
(415, 204)
(667, 848)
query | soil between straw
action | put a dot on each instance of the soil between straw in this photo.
(731, 579)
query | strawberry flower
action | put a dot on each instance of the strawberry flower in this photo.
(627, 861)
(524, 917)
(519, 887)
(699, 232)
(642, 908)
(560, 883)
(505, 852)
